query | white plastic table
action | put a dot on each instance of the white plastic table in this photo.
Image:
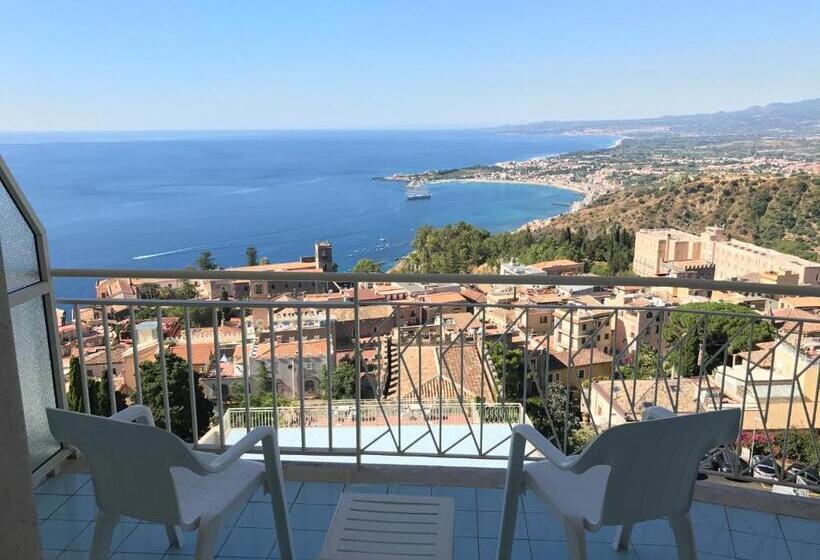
(391, 527)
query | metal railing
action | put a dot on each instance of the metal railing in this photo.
(404, 377)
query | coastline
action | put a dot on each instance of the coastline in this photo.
(590, 190)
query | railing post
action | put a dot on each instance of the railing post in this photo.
(358, 354)
(191, 376)
(112, 393)
(163, 368)
(83, 374)
(135, 356)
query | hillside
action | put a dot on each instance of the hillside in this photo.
(801, 117)
(782, 213)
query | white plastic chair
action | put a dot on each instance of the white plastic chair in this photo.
(147, 473)
(628, 474)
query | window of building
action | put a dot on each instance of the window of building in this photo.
(257, 288)
(542, 320)
(606, 336)
(580, 374)
(310, 386)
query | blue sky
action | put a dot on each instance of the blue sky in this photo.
(338, 64)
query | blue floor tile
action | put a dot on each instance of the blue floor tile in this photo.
(487, 549)
(492, 499)
(83, 541)
(47, 504)
(136, 556)
(756, 547)
(489, 525)
(77, 508)
(71, 555)
(409, 490)
(803, 530)
(292, 488)
(712, 515)
(307, 545)
(803, 550)
(656, 532)
(465, 498)
(755, 522)
(86, 489)
(248, 542)
(147, 538)
(51, 553)
(465, 548)
(544, 527)
(188, 547)
(57, 533)
(311, 517)
(367, 488)
(465, 524)
(67, 483)
(603, 535)
(713, 541)
(322, 493)
(533, 503)
(256, 514)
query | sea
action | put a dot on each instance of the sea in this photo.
(158, 199)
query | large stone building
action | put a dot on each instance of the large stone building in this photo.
(712, 254)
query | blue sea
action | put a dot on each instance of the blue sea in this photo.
(157, 200)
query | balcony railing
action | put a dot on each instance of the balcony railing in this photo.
(357, 377)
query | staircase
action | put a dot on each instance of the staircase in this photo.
(391, 378)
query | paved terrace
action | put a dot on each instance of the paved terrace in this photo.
(66, 508)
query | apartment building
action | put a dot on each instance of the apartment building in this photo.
(583, 327)
(633, 322)
(560, 267)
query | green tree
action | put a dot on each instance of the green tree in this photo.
(366, 265)
(178, 396)
(149, 290)
(686, 325)
(74, 395)
(101, 402)
(344, 380)
(647, 365)
(206, 261)
(251, 256)
(558, 412)
(509, 367)
(264, 381)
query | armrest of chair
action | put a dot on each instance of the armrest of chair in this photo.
(544, 446)
(235, 452)
(655, 413)
(137, 412)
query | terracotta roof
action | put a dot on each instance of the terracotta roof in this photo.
(583, 357)
(554, 263)
(99, 358)
(365, 312)
(424, 381)
(442, 297)
(801, 301)
(201, 353)
(278, 267)
(644, 394)
(310, 349)
(474, 295)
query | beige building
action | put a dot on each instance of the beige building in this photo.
(583, 327)
(670, 251)
(635, 321)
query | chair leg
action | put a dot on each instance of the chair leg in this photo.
(576, 538)
(174, 536)
(104, 526)
(206, 537)
(512, 491)
(622, 534)
(684, 536)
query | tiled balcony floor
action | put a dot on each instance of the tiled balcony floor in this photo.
(66, 509)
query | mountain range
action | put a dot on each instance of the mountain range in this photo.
(775, 119)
